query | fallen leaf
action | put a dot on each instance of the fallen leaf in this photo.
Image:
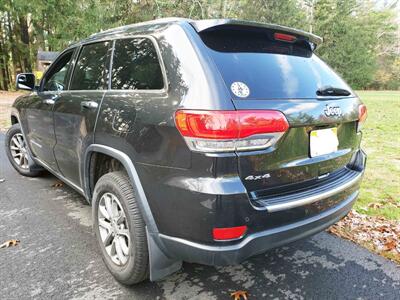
(238, 294)
(9, 243)
(375, 205)
(390, 245)
(57, 184)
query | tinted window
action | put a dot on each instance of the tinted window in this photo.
(135, 65)
(271, 69)
(90, 71)
(56, 79)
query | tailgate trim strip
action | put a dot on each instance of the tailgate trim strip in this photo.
(322, 194)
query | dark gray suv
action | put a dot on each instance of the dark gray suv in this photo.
(201, 141)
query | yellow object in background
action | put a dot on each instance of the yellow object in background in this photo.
(38, 75)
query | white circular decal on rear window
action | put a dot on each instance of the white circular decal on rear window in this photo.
(240, 89)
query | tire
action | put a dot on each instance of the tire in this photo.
(18, 151)
(136, 267)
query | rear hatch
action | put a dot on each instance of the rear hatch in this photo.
(276, 69)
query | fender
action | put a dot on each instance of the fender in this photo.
(31, 158)
(161, 264)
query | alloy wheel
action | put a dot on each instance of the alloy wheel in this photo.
(19, 151)
(113, 228)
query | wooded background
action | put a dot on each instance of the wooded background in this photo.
(361, 37)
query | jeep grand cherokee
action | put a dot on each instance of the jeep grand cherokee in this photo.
(201, 141)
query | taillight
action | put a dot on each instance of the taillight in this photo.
(224, 131)
(229, 233)
(284, 37)
(362, 116)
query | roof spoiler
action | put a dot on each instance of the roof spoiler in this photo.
(203, 25)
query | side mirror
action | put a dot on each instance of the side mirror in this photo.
(26, 81)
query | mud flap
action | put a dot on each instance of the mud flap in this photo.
(160, 264)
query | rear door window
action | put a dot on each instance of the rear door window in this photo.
(135, 65)
(90, 70)
(269, 69)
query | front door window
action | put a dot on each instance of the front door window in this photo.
(56, 79)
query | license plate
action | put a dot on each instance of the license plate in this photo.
(323, 141)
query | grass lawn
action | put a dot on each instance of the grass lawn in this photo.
(380, 192)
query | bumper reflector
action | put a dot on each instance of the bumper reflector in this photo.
(229, 233)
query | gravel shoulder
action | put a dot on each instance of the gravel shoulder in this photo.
(6, 100)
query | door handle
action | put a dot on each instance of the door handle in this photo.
(49, 101)
(89, 104)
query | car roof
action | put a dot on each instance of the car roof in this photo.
(150, 27)
(147, 27)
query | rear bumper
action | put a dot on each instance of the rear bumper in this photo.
(260, 241)
(255, 243)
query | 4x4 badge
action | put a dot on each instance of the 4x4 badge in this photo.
(258, 177)
(332, 111)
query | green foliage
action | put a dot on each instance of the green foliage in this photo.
(286, 12)
(358, 37)
(352, 38)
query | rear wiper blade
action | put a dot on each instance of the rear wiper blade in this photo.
(332, 91)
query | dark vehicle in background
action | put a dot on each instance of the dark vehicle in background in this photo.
(201, 141)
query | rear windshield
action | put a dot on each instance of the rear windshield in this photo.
(269, 69)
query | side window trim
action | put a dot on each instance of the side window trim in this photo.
(107, 64)
(74, 60)
(110, 65)
(160, 62)
(53, 65)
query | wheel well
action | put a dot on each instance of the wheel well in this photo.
(14, 120)
(101, 164)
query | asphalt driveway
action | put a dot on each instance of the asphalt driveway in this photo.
(58, 258)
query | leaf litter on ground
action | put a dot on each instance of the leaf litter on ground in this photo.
(377, 234)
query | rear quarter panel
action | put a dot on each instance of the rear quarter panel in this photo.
(142, 125)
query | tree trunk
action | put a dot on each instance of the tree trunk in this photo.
(3, 62)
(3, 68)
(23, 25)
(14, 54)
